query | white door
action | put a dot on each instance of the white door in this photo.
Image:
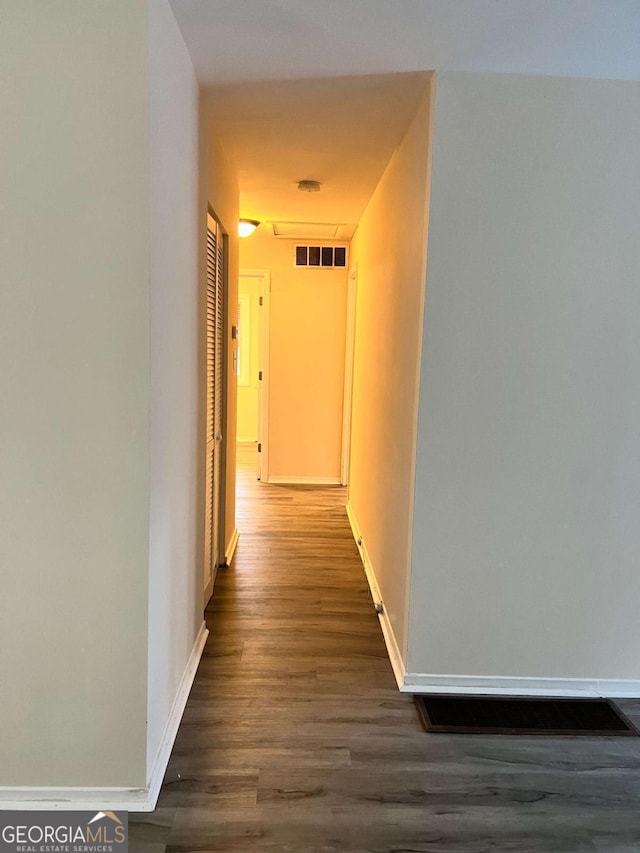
(263, 377)
(259, 282)
(215, 399)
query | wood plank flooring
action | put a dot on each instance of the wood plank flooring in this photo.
(296, 740)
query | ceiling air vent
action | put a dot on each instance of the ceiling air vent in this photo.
(321, 257)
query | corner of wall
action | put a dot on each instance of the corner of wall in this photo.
(391, 295)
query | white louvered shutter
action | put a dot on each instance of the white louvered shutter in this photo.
(214, 400)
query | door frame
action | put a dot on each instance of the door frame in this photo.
(349, 358)
(264, 330)
(221, 558)
(218, 558)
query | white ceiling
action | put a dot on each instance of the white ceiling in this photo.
(324, 89)
(246, 40)
(339, 131)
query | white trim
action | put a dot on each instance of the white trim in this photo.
(393, 648)
(231, 547)
(264, 325)
(244, 339)
(418, 682)
(349, 355)
(115, 799)
(173, 722)
(305, 481)
(74, 799)
(264, 349)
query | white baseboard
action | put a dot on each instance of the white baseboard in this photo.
(231, 547)
(74, 799)
(173, 722)
(115, 799)
(305, 481)
(393, 649)
(417, 682)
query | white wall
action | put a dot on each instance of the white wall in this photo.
(175, 594)
(306, 361)
(526, 536)
(74, 408)
(103, 218)
(389, 252)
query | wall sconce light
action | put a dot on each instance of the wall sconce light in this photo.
(247, 227)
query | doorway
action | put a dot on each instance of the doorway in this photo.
(302, 337)
(253, 365)
(349, 356)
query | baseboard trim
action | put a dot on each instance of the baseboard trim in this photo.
(305, 481)
(231, 547)
(115, 799)
(163, 755)
(74, 799)
(393, 649)
(417, 682)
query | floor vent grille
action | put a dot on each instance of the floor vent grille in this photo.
(520, 716)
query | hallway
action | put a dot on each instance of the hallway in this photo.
(296, 740)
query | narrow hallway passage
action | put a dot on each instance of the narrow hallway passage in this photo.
(294, 689)
(295, 738)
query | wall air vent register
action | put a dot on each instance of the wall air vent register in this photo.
(321, 257)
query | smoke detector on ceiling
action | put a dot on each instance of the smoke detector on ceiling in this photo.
(309, 186)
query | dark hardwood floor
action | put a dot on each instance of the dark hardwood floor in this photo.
(296, 740)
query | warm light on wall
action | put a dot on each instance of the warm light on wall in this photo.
(247, 227)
